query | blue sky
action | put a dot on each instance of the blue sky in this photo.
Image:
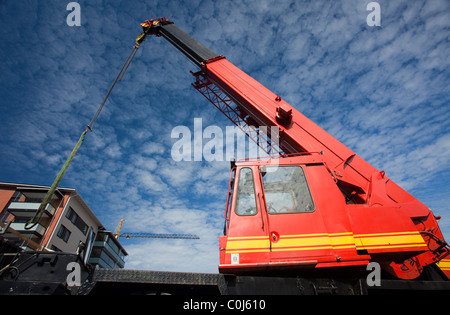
(382, 91)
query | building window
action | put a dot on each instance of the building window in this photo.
(76, 220)
(54, 248)
(71, 215)
(246, 200)
(63, 233)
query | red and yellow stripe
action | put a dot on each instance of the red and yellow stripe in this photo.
(320, 241)
(389, 240)
(444, 264)
(247, 244)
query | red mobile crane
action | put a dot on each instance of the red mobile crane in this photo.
(318, 206)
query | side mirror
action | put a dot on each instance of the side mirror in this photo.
(233, 162)
(262, 170)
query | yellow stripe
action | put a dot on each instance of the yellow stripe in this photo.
(251, 244)
(246, 251)
(286, 241)
(391, 246)
(320, 241)
(444, 264)
(307, 235)
(232, 238)
(390, 240)
(291, 235)
(301, 248)
(387, 234)
(342, 240)
(247, 244)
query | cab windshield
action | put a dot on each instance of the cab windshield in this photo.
(286, 190)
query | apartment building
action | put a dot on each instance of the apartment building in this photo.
(66, 223)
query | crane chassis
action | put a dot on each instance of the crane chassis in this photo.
(52, 273)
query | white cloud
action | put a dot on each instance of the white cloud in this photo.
(151, 183)
(152, 148)
(174, 255)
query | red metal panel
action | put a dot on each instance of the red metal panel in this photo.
(385, 230)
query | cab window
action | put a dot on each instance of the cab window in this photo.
(245, 199)
(286, 190)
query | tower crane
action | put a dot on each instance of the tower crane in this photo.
(128, 235)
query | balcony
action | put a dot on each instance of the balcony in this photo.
(109, 254)
(105, 261)
(28, 209)
(37, 230)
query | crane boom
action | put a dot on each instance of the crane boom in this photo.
(253, 105)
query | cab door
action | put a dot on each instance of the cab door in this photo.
(296, 228)
(247, 234)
